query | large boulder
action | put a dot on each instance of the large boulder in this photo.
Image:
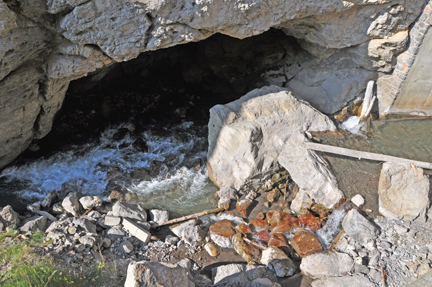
(355, 37)
(404, 191)
(261, 130)
(154, 274)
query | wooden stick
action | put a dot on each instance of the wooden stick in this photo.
(41, 213)
(363, 154)
(180, 219)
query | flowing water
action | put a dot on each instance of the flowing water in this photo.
(113, 162)
(409, 138)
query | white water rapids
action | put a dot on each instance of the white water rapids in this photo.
(181, 188)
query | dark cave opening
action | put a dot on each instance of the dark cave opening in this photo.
(171, 85)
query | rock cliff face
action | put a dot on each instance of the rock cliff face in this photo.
(47, 44)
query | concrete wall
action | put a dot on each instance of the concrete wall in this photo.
(389, 87)
(416, 94)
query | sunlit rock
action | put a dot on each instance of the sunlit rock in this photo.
(305, 243)
(211, 249)
(71, 203)
(307, 219)
(221, 233)
(9, 217)
(247, 252)
(132, 211)
(277, 240)
(404, 191)
(359, 227)
(274, 195)
(88, 202)
(282, 222)
(243, 205)
(243, 228)
(326, 265)
(263, 235)
(258, 225)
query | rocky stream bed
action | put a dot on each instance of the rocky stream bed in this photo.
(282, 220)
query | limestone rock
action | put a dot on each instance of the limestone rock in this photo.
(240, 275)
(311, 173)
(34, 223)
(272, 253)
(282, 222)
(190, 232)
(226, 194)
(243, 205)
(71, 204)
(86, 225)
(126, 247)
(9, 217)
(88, 202)
(153, 274)
(264, 282)
(248, 252)
(93, 36)
(326, 264)
(306, 243)
(158, 215)
(115, 232)
(110, 220)
(358, 200)
(307, 219)
(359, 228)
(357, 280)
(404, 191)
(221, 233)
(277, 240)
(128, 210)
(243, 228)
(274, 195)
(253, 131)
(49, 200)
(136, 230)
(87, 240)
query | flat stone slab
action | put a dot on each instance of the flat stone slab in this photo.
(136, 230)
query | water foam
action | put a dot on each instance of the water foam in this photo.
(354, 126)
(86, 168)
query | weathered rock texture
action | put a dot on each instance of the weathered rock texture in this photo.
(46, 44)
(404, 191)
(261, 130)
(147, 273)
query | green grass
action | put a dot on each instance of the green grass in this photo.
(27, 269)
(11, 233)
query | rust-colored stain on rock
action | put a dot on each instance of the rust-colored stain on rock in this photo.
(306, 243)
(306, 218)
(223, 228)
(277, 240)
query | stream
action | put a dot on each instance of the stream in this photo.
(113, 163)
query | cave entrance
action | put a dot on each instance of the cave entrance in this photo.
(176, 84)
(140, 127)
